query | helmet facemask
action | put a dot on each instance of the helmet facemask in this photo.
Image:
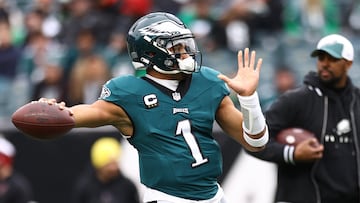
(182, 55)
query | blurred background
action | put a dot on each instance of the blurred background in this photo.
(66, 49)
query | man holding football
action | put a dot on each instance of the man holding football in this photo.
(325, 169)
(168, 114)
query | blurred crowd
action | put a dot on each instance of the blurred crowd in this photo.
(66, 49)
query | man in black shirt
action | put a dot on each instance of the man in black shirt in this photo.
(325, 169)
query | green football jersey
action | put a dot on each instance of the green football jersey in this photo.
(173, 131)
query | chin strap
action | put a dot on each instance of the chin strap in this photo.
(253, 120)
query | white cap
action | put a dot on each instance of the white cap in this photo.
(6, 147)
(335, 45)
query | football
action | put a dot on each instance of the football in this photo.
(293, 136)
(41, 120)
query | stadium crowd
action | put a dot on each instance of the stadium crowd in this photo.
(66, 49)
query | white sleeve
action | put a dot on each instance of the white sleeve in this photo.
(253, 120)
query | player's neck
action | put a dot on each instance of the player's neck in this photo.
(155, 74)
(170, 84)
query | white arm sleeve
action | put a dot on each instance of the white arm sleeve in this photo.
(253, 120)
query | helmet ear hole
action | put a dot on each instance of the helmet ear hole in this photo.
(168, 63)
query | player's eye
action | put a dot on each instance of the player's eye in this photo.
(177, 49)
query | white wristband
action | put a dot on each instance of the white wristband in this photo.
(259, 142)
(253, 118)
(289, 154)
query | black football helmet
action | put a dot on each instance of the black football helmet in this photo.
(150, 41)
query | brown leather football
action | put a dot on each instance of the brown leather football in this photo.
(41, 120)
(293, 136)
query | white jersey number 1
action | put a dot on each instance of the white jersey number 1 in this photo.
(184, 129)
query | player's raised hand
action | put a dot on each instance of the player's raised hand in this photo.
(247, 78)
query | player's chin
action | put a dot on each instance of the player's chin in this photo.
(254, 149)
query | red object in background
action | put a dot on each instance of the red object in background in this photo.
(135, 7)
(5, 160)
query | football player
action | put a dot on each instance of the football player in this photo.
(168, 114)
